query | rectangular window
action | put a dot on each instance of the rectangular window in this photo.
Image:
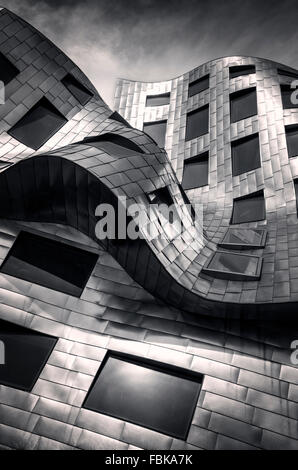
(195, 172)
(49, 263)
(156, 130)
(234, 266)
(145, 393)
(7, 70)
(245, 154)
(250, 208)
(286, 96)
(197, 123)
(38, 125)
(158, 100)
(243, 104)
(198, 85)
(288, 73)
(239, 70)
(77, 89)
(292, 140)
(25, 354)
(296, 192)
(242, 238)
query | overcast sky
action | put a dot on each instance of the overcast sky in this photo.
(160, 39)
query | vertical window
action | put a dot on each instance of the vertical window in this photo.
(296, 192)
(38, 125)
(77, 89)
(292, 140)
(243, 104)
(7, 70)
(158, 100)
(245, 154)
(199, 85)
(195, 172)
(49, 263)
(250, 208)
(197, 123)
(147, 393)
(26, 353)
(156, 130)
(286, 96)
(239, 70)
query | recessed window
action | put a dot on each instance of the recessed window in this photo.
(114, 144)
(26, 352)
(242, 238)
(158, 100)
(243, 104)
(197, 123)
(296, 192)
(145, 393)
(286, 96)
(7, 70)
(38, 125)
(50, 263)
(239, 70)
(163, 199)
(249, 208)
(245, 154)
(77, 89)
(195, 172)
(234, 266)
(156, 130)
(288, 73)
(188, 204)
(199, 85)
(292, 140)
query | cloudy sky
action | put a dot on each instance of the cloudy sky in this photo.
(160, 39)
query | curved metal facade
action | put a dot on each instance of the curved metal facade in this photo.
(148, 298)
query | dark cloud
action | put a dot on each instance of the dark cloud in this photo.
(160, 39)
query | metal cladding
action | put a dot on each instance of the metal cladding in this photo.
(158, 298)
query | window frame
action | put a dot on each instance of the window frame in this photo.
(152, 364)
(245, 91)
(238, 68)
(200, 159)
(238, 142)
(249, 196)
(155, 123)
(194, 112)
(233, 275)
(243, 246)
(196, 82)
(54, 239)
(157, 96)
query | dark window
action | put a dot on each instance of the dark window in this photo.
(234, 266)
(77, 89)
(195, 172)
(145, 393)
(249, 208)
(292, 140)
(197, 123)
(288, 73)
(286, 96)
(158, 100)
(163, 199)
(239, 70)
(188, 204)
(198, 85)
(26, 352)
(38, 125)
(52, 264)
(156, 130)
(117, 117)
(242, 238)
(296, 192)
(245, 154)
(7, 70)
(243, 104)
(114, 143)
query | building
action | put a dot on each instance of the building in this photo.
(209, 318)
